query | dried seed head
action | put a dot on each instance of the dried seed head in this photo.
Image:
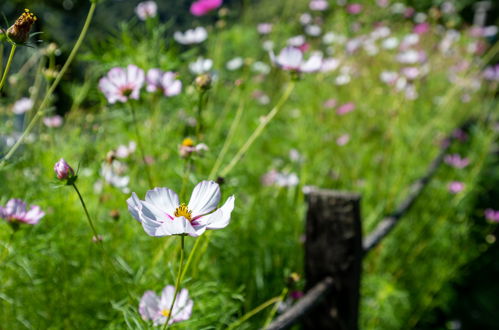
(19, 32)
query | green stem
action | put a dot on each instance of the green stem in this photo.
(228, 140)
(272, 313)
(7, 67)
(52, 88)
(258, 131)
(140, 145)
(189, 260)
(1, 58)
(199, 121)
(253, 312)
(87, 214)
(177, 284)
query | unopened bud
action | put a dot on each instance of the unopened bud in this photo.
(203, 82)
(63, 171)
(19, 32)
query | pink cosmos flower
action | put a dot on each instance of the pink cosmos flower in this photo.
(455, 187)
(120, 84)
(330, 103)
(203, 7)
(165, 82)
(345, 108)
(146, 9)
(492, 215)
(354, 8)
(456, 161)
(291, 59)
(22, 105)
(53, 121)
(16, 211)
(161, 214)
(318, 5)
(421, 28)
(157, 309)
(264, 28)
(63, 171)
(491, 73)
(343, 139)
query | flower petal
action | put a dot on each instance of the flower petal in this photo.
(164, 199)
(134, 206)
(149, 305)
(220, 218)
(204, 198)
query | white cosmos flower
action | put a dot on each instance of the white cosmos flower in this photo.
(192, 36)
(157, 309)
(291, 58)
(146, 9)
(201, 65)
(161, 214)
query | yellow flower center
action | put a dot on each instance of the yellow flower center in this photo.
(165, 312)
(187, 142)
(183, 211)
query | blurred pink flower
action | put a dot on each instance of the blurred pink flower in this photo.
(330, 103)
(456, 161)
(421, 28)
(63, 171)
(354, 8)
(455, 187)
(492, 215)
(165, 82)
(53, 121)
(491, 73)
(120, 84)
(16, 211)
(264, 28)
(319, 5)
(343, 139)
(146, 9)
(460, 135)
(203, 7)
(157, 309)
(345, 108)
(22, 105)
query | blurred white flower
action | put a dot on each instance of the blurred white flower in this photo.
(234, 64)
(264, 28)
(22, 105)
(390, 43)
(305, 18)
(260, 67)
(291, 58)
(157, 309)
(192, 36)
(313, 30)
(201, 65)
(296, 41)
(318, 5)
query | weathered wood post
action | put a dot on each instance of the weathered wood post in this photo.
(333, 249)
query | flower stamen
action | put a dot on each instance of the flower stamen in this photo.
(183, 211)
(165, 312)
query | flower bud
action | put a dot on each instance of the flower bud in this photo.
(19, 32)
(63, 171)
(203, 82)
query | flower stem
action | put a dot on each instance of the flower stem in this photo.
(52, 88)
(7, 67)
(199, 119)
(177, 284)
(273, 311)
(258, 131)
(1, 58)
(87, 214)
(140, 145)
(253, 312)
(228, 140)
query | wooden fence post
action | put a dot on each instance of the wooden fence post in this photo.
(333, 249)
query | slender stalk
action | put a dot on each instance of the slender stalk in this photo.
(273, 311)
(89, 219)
(140, 145)
(253, 312)
(199, 121)
(1, 58)
(7, 67)
(189, 260)
(177, 284)
(228, 140)
(258, 131)
(52, 88)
